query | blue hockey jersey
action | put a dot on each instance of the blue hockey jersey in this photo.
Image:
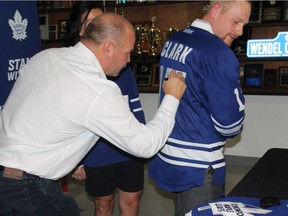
(211, 110)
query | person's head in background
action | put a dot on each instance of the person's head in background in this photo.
(81, 15)
(227, 18)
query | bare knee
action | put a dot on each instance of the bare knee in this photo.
(129, 203)
(104, 205)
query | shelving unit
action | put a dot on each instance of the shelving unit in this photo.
(169, 14)
(266, 31)
(176, 14)
(54, 17)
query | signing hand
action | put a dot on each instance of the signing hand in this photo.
(175, 85)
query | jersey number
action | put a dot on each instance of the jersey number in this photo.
(241, 105)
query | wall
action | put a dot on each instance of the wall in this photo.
(168, 14)
(265, 125)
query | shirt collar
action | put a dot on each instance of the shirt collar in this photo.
(203, 25)
(86, 53)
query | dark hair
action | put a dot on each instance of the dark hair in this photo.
(75, 24)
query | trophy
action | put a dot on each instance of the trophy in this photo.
(168, 32)
(63, 29)
(153, 38)
(140, 38)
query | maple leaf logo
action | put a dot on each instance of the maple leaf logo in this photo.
(18, 26)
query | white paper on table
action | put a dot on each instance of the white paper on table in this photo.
(235, 209)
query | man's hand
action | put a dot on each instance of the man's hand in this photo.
(175, 85)
(79, 173)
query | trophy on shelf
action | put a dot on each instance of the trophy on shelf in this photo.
(62, 29)
(140, 38)
(167, 32)
(153, 37)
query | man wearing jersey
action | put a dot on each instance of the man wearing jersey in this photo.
(191, 164)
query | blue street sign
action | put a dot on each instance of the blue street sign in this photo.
(277, 47)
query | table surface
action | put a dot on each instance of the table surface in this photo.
(268, 177)
(281, 210)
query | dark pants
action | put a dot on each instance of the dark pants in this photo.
(185, 201)
(35, 196)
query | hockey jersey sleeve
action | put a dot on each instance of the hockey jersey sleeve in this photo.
(224, 95)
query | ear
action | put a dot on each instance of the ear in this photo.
(107, 49)
(215, 10)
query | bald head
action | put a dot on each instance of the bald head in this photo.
(111, 38)
(108, 27)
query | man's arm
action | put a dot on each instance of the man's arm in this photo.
(111, 119)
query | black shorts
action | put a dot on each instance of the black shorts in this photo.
(128, 176)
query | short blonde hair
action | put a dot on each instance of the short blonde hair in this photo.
(224, 3)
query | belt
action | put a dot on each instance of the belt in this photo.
(14, 173)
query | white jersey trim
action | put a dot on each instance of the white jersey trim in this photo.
(181, 163)
(193, 154)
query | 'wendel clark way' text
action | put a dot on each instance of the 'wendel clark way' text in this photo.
(277, 47)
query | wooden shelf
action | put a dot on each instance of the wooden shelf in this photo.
(264, 91)
(54, 10)
(137, 4)
(148, 89)
(244, 58)
(269, 63)
(251, 25)
(52, 43)
(141, 12)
